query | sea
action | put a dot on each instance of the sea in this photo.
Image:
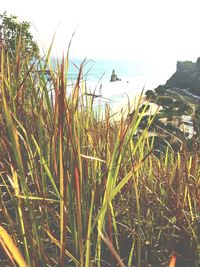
(135, 77)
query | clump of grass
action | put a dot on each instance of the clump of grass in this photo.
(80, 188)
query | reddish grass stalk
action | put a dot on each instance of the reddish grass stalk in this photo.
(61, 167)
(172, 262)
(79, 217)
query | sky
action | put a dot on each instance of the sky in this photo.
(151, 30)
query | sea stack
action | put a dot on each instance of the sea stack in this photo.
(114, 77)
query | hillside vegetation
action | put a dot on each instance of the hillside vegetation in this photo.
(79, 188)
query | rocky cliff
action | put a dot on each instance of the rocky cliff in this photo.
(187, 76)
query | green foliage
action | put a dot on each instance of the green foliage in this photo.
(174, 107)
(197, 110)
(165, 101)
(144, 107)
(161, 90)
(197, 120)
(15, 35)
(150, 95)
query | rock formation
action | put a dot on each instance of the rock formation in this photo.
(187, 76)
(114, 77)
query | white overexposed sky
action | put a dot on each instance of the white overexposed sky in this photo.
(160, 30)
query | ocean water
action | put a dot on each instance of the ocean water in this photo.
(135, 76)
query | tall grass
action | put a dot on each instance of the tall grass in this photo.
(82, 188)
